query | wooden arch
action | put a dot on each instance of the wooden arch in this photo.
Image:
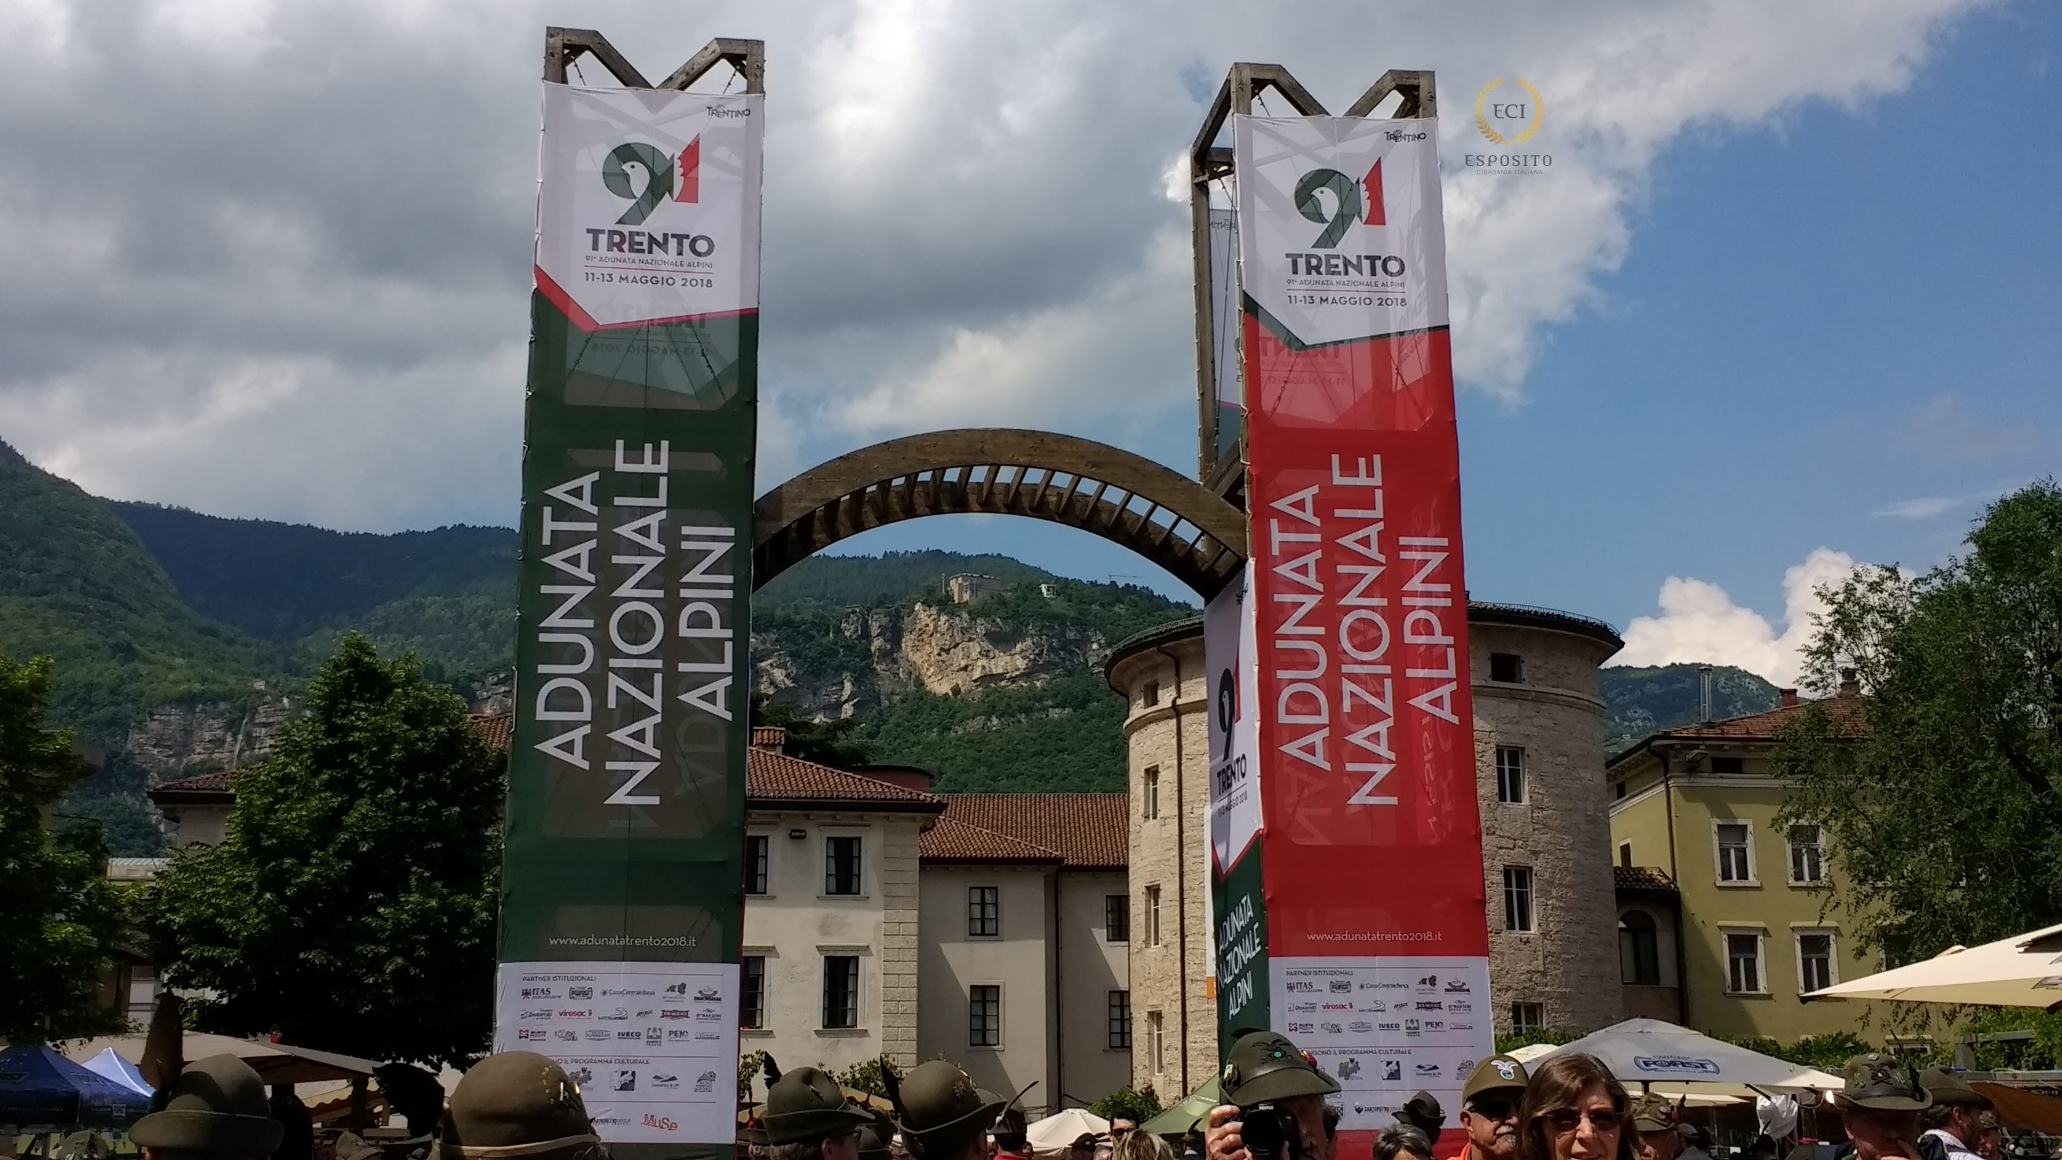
(1124, 498)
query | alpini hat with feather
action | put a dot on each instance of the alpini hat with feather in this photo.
(517, 1104)
(940, 1109)
(216, 1107)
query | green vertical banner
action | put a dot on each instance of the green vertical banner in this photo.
(622, 902)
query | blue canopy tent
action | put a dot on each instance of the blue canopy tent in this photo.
(40, 1088)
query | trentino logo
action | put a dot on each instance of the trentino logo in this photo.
(663, 179)
(1352, 201)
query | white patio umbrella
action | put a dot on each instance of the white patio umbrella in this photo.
(2022, 971)
(1676, 1061)
(1053, 1135)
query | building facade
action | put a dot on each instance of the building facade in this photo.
(1724, 915)
(1546, 839)
(882, 919)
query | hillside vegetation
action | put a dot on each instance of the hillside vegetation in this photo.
(165, 624)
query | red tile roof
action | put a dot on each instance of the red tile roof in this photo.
(1641, 878)
(496, 729)
(1087, 829)
(955, 841)
(777, 780)
(205, 785)
(1845, 708)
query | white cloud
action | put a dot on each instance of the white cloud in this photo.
(1923, 508)
(966, 208)
(1700, 624)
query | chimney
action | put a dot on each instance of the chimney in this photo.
(771, 737)
(1850, 683)
(1704, 693)
(1789, 697)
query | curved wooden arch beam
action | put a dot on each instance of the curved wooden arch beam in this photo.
(1127, 499)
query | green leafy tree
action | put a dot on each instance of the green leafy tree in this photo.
(868, 1075)
(1942, 793)
(59, 917)
(1135, 1104)
(352, 904)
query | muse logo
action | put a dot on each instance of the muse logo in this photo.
(1351, 202)
(663, 179)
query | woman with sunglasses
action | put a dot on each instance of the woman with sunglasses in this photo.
(1574, 1110)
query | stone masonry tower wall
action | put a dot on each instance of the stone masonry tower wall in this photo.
(1547, 717)
(1565, 969)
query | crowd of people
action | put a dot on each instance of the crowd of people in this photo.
(522, 1106)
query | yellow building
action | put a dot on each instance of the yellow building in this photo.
(1724, 916)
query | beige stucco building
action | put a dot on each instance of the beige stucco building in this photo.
(1546, 838)
(884, 919)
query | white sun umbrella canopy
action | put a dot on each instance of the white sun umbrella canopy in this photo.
(2022, 971)
(1053, 1135)
(1653, 1055)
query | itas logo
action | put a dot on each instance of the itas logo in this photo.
(705, 1082)
(662, 179)
(1301, 986)
(661, 1123)
(1352, 203)
(577, 993)
(1342, 986)
(539, 993)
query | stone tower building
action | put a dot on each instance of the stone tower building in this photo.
(1539, 761)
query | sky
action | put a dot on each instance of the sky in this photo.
(1784, 302)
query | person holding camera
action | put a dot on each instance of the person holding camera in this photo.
(1274, 1104)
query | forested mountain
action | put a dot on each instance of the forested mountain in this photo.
(181, 641)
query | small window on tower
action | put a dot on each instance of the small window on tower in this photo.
(1508, 668)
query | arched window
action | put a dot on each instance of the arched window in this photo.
(1639, 952)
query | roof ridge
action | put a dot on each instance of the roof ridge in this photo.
(1005, 837)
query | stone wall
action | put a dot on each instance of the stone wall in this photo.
(1569, 962)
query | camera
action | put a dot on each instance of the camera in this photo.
(1268, 1132)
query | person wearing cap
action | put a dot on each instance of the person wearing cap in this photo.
(1653, 1121)
(807, 1118)
(1489, 1109)
(1880, 1105)
(1264, 1069)
(1012, 1141)
(1696, 1141)
(1422, 1111)
(942, 1114)
(517, 1104)
(215, 1110)
(874, 1136)
(1952, 1127)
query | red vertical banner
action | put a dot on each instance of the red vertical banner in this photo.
(1371, 856)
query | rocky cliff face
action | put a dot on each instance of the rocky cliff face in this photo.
(175, 740)
(875, 654)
